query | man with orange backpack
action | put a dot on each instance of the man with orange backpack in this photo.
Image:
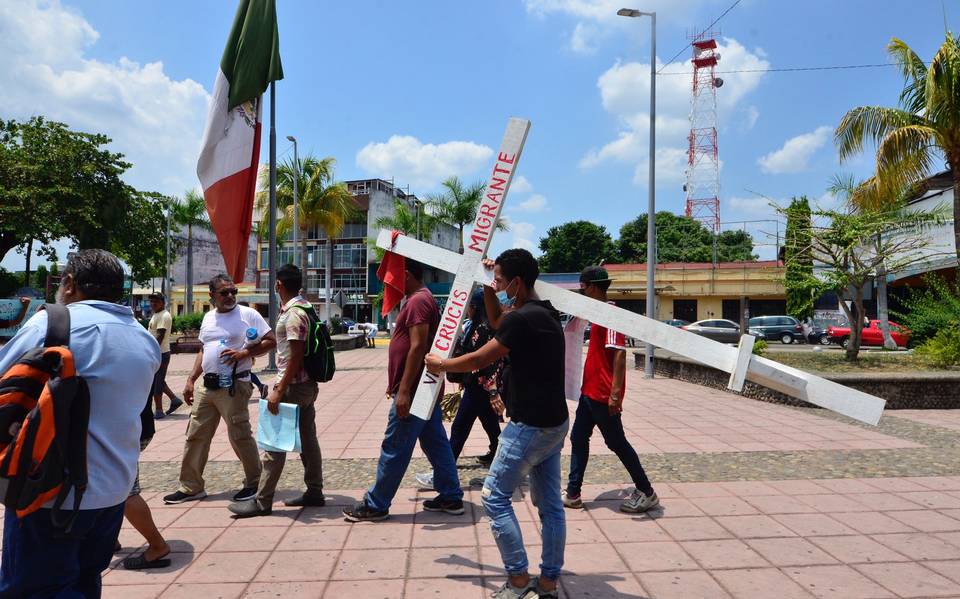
(45, 552)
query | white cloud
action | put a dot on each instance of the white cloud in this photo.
(581, 42)
(156, 121)
(752, 114)
(535, 203)
(625, 93)
(406, 158)
(796, 152)
(523, 234)
(521, 184)
(756, 205)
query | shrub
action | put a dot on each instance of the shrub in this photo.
(929, 310)
(187, 322)
(759, 346)
(336, 326)
(943, 349)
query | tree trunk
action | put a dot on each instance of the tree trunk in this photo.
(328, 276)
(955, 167)
(303, 261)
(461, 238)
(855, 318)
(188, 291)
(26, 269)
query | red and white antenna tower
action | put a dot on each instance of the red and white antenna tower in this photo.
(703, 163)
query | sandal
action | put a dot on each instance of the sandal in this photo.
(140, 562)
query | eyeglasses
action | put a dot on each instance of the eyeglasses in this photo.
(226, 292)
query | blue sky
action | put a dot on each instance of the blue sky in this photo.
(418, 91)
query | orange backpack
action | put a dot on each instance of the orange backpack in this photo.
(44, 414)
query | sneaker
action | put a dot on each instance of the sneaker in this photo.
(543, 593)
(425, 480)
(486, 459)
(248, 509)
(175, 404)
(362, 513)
(638, 502)
(245, 494)
(574, 502)
(448, 506)
(181, 497)
(508, 591)
(158, 414)
(306, 501)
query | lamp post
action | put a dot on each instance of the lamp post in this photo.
(297, 256)
(651, 199)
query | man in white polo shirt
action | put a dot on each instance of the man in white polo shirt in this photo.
(222, 333)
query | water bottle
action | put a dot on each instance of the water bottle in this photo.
(253, 338)
(223, 369)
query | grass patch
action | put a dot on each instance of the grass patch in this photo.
(873, 361)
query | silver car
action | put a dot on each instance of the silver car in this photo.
(718, 329)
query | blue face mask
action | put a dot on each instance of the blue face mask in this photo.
(505, 300)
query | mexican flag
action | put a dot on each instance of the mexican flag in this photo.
(230, 153)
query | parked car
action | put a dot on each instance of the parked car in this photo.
(818, 335)
(724, 331)
(871, 335)
(676, 322)
(785, 329)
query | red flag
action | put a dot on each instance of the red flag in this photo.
(392, 272)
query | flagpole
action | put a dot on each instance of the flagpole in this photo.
(271, 292)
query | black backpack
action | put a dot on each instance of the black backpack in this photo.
(318, 361)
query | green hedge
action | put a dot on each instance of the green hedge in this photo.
(943, 349)
(187, 322)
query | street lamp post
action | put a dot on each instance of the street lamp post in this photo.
(651, 199)
(297, 256)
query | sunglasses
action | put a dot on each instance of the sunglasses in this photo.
(226, 292)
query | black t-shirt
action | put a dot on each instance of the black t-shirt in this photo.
(533, 379)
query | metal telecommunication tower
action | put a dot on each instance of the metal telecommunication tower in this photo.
(703, 163)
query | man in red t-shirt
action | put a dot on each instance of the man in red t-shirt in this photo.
(601, 404)
(416, 325)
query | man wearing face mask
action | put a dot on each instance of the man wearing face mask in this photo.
(530, 336)
(601, 403)
(222, 333)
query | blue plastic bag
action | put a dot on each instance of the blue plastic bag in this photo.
(280, 432)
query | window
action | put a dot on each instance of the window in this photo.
(354, 230)
(316, 256)
(315, 280)
(354, 281)
(348, 255)
(723, 324)
(755, 322)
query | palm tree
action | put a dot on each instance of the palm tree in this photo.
(458, 205)
(321, 202)
(190, 212)
(911, 138)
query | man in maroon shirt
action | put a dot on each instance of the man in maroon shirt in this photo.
(416, 325)
(601, 403)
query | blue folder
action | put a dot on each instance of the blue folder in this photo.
(280, 432)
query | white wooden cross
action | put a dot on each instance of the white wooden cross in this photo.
(738, 361)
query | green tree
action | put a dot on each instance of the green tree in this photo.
(61, 184)
(931, 308)
(924, 128)
(681, 239)
(572, 246)
(851, 244)
(458, 205)
(321, 202)
(41, 277)
(801, 286)
(190, 212)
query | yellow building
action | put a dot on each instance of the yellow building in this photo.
(176, 302)
(698, 291)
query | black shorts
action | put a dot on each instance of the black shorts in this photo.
(160, 377)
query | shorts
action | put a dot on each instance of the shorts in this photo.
(135, 490)
(160, 378)
(372, 334)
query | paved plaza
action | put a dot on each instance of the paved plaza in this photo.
(758, 500)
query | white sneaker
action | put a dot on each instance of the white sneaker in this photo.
(638, 502)
(573, 502)
(425, 480)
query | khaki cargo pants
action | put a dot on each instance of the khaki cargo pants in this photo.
(209, 406)
(303, 395)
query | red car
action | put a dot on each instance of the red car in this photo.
(871, 334)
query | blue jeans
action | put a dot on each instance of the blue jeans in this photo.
(474, 404)
(39, 563)
(535, 451)
(398, 442)
(592, 414)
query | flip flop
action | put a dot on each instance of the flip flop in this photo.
(140, 562)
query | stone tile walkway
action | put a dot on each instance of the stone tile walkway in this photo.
(758, 500)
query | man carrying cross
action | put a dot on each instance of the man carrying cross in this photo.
(416, 325)
(601, 404)
(529, 333)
